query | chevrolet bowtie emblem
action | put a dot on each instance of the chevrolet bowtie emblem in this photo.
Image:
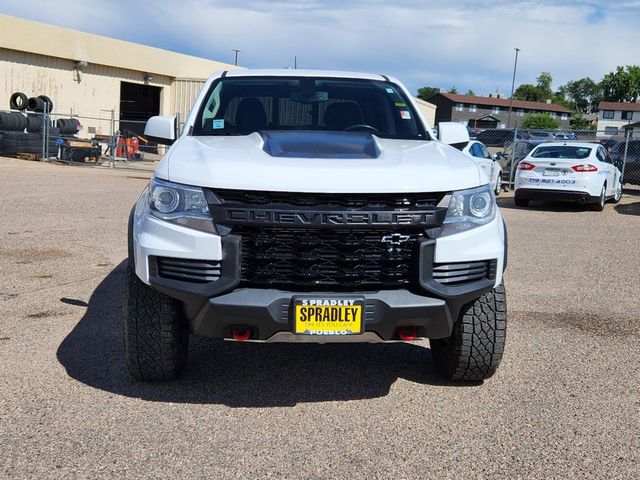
(395, 239)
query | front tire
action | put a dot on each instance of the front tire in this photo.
(474, 350)
(156, 340)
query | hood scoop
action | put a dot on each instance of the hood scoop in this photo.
(310, 144)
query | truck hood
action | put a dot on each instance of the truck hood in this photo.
(242, 162)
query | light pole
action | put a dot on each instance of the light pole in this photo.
(513, 82)
(237, 52)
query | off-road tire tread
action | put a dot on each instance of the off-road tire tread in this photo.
(474, 350)
(156, 340)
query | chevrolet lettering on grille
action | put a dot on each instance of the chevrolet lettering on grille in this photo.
(244, 216)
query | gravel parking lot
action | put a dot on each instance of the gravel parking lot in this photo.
(566, 401)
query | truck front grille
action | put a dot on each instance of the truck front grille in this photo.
(334, 242)
(329, 259)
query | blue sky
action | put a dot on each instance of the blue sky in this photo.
(466, 43)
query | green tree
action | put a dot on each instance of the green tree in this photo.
(540, 121)
(540, 92)
(453, 90)
(471, 92)
(623, 85)
(425, 93)
(584, 94)
(544, 86)
(527, 91)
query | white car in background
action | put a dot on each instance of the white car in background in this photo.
(577, 172)
(479, 153)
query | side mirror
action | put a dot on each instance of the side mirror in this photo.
(498, 156)
(162, 129)
(454, 134)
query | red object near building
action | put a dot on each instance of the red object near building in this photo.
(127, 147)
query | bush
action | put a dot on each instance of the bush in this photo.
(540, 121)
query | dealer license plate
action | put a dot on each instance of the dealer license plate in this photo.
(551, 172)
(327, 316)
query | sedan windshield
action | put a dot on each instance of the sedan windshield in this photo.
(240, 106)
(562, 151)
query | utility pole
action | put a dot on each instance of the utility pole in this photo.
(295, 62)
(513, 82)
(237, 52)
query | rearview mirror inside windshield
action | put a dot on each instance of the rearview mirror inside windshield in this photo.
(316, 97)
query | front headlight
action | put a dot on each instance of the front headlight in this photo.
(469, 209)
(180, 204)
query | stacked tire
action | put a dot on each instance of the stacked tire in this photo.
(34, 123)
(12, 126)
(12, 143)
(14, 140)
(12, 121)
(39, 104)
(68, 126)
(18, 101)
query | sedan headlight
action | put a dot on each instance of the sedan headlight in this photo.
(180, 204)
(469, 209)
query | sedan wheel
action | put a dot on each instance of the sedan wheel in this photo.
(617, 195)
(599, 206)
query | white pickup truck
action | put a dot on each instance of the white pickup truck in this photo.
(314, 206)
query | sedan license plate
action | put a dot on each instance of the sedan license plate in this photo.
(551, 172)
(327, 316)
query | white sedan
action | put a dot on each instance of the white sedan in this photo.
(479, 153)
(578, 172)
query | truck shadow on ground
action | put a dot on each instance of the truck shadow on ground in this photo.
(238, 375)
(628, 209)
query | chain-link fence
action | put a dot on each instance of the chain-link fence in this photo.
(509, 146)
(101, 140)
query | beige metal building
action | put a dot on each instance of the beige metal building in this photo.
(90, 75)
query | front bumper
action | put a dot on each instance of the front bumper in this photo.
(267, 313)
(213, 309)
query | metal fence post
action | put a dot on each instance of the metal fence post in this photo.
(47, 121)
(626, 149)
(112, 159)
(513, 158)
(43, 129)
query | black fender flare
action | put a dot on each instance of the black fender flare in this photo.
(130, 253)
(506, 245)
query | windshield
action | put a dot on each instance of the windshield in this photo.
(562, 151)
(240, 106)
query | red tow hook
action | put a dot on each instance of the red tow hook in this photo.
(407, 333)
(240, 334)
